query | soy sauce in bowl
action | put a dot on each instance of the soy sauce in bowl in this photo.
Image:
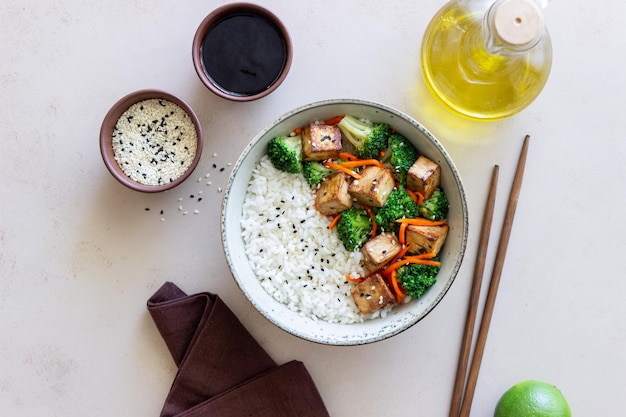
(242, 52)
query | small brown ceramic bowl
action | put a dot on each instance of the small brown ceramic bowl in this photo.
(151, 141)
(241, 52)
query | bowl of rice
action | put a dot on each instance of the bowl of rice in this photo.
(287, 261)
(151, 140)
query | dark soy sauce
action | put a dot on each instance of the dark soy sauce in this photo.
(244, 53)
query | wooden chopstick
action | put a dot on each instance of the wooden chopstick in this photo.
(479, 268)
(467, 393)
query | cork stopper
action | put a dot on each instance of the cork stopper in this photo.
(518, 22)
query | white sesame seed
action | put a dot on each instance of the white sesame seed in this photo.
(196, 211)
(185, 213)
(154, 141)
(180, 208)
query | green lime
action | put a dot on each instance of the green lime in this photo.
(532, 399)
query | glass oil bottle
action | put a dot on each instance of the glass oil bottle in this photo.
(486, 60)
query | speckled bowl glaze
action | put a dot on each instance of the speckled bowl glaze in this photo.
(400, 317)
(106, 134)
(216, 16)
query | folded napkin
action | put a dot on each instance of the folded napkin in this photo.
(222, 370)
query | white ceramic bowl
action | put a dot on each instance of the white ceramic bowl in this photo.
(400, 317)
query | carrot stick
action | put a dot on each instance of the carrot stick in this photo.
(348, 156)
(420, 197)
(419, 221)
(342, 168)
(334, 222)
(427, 255)
(396, 286)
(363, 162)
(410, 260)
(351, 279)
(402, 233)
(297, 130)
(401, 254)
(415, 196)
(333, 121)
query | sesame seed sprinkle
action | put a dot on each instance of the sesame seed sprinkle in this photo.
(149, 153)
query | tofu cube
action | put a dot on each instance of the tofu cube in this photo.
(379, 250)
(320, 142)
(374, 186)
(424, 176)
(332, 196)
(372, 294)
(426, 239)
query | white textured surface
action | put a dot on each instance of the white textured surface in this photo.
(79, 255)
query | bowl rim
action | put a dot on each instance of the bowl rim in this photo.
(369, 338)
(106, 141)
(221, 12)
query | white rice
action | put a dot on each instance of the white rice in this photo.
(299, 261)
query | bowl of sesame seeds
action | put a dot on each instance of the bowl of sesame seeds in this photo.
(151, 140)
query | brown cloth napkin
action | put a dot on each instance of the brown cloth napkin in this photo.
(222, 370)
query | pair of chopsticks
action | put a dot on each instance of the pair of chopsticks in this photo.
(465, 382)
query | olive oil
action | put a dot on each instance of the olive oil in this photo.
(479, 70)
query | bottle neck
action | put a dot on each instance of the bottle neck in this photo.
(512, 27)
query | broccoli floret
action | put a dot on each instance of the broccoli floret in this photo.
(285, 152)
(368, 139)
(417, 278)
(314, 172)
(435, 207)
(399, 156)
(354, 228)
(398, 205)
